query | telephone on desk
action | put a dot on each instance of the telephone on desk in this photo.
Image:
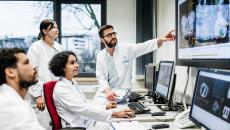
(182, 120)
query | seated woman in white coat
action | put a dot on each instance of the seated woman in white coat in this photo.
(70, 101)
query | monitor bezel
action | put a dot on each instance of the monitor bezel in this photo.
(206, 63)
(195, 89)
(153, 78)
(169, 93)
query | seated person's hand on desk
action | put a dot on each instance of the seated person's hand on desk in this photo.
(110, 95)
(111, 105)
(126, 113)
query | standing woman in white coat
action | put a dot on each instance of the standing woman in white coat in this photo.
(70, 101)
(40, 53)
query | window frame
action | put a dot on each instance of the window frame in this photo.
(57, 18)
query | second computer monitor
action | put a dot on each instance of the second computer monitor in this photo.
(165, 79)
(150, 78)
(211, 100)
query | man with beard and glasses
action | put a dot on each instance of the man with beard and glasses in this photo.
(16, 75)
(114, 63)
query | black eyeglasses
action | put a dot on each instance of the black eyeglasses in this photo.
(110, 34)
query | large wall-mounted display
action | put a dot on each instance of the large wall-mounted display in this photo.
(203, 35)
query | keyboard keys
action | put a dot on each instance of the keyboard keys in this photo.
(138, 107)
(134, 97)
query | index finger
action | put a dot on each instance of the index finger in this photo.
(130, 114)
(128, 110)
(171, 31)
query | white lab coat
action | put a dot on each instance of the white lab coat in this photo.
(73, 107)
(124, 56)
(15, 113)
(39, 55)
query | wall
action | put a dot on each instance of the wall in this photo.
(122, 15)
(166, 22)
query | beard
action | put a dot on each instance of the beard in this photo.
(110, 44)
(26, 84)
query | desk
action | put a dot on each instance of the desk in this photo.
(171, 126)
(145, 119)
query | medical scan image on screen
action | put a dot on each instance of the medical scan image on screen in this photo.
(211, 105)
(203, 29)
(164, 78)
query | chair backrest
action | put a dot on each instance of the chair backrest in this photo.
(48, 95)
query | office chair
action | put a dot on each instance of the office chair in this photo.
(55, 118)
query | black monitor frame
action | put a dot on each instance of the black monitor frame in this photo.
(204, 63)
(195, 90)
(162, 99)
(170, 87)
(150, 69)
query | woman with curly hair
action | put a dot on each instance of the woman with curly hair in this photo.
(70, 101)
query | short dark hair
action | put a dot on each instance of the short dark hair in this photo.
(102, 29)
(8, 59)
(58, 62)
(44, 25)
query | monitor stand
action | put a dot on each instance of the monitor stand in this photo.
(166, 105)
(150, 95)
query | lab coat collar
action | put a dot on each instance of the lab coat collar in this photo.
(6, 87)
(55, 45)
(72, 82)
(115, 51)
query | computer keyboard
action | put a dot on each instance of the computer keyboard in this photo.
(138, 108)
(134, 97)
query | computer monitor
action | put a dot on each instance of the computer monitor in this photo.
(203, 33)
(165, 79)
(150, 79)
(211, 100)
(165, 84)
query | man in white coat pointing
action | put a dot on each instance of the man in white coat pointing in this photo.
(114, 63)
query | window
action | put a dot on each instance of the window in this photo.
(22, 27)
(79, 25)
(78, 22)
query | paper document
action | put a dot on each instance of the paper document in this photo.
(127, 125)
(122, 94)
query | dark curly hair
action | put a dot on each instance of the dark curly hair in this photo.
(102, 29)
(58, 62)
(8, 59)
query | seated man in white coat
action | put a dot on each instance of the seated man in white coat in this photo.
(114, 63)
(70, 101)
(16, 75)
